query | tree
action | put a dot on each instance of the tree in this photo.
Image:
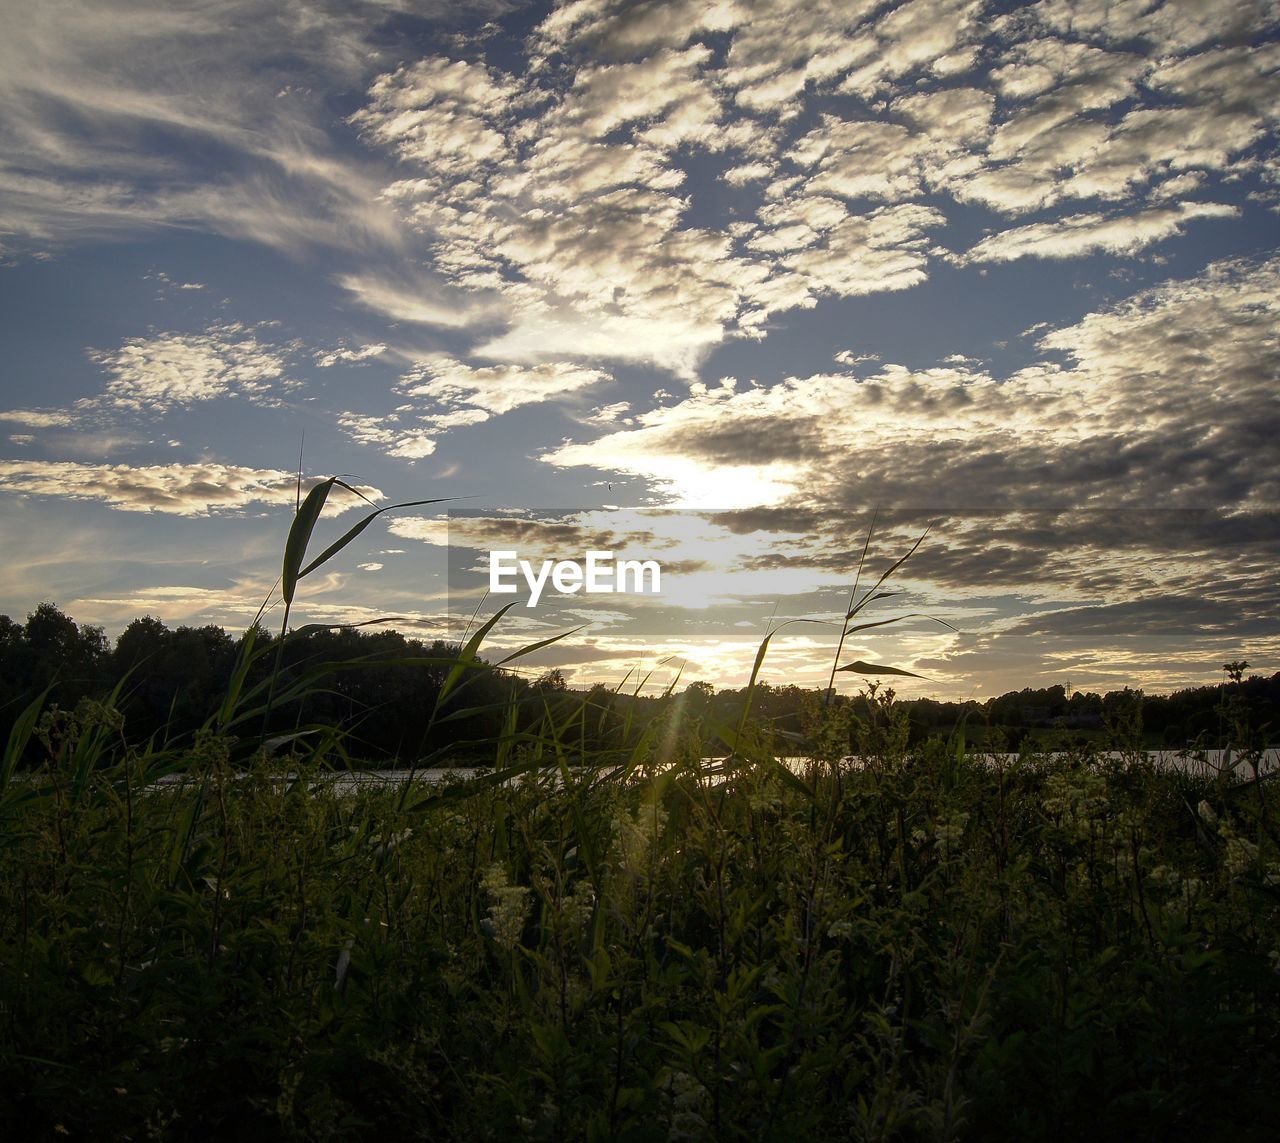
(61, 650)
(552, 680)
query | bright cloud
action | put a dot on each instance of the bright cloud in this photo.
(39, 418)
(1081, 234)
(1109, 428)
(951, 254)
(345, 355)
(176, 489)
(495, 389)
(152, 374)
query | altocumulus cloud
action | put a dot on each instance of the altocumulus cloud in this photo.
(563, 189)
(551, 184)
(1168, 400)
(153, 374)
(444, 393)
(177, 489)
(1080, 234)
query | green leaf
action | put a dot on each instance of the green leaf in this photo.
(872, 593)
(897, 619)
(861, 668)
(339, 544)
(19, 735)
(304, 523)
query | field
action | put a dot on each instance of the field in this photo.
(926, 947)
(628, 942)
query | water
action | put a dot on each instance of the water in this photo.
(1200, 763)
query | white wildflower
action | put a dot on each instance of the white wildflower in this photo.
(948, 830)
(1240, 855)
(509, 908)
(633, 836)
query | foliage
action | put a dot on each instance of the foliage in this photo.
(928, 946)
(173, 680)
(607, 935)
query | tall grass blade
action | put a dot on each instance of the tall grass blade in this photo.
(352, 533)
(19, 735)
(871, 594)
(896, 619)
(295, 546)
(861, 668)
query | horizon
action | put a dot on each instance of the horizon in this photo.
(535, 674)
(736, 286)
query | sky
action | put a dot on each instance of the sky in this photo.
(751, 288)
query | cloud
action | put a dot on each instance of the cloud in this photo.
(439, 110)
(416, 299)
(175, 489)
(424, 528)
(445, 394)
(1080, 234)
(495, 389)
(665, 95)
(560, 194)
(576, 219)
(608, 414)
(1166, 399)
(156, 373)
(871, 253)
(1174, 26)
(325, 359)
(234, 607)
(39, 418)
(932, 34)
(562, 203)
(120, 116)
(388, 434)
(624, 29)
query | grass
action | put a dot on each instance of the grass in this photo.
(934, 945)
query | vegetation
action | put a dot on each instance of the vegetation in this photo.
(384, 686)
(929, 947)
(604, 936)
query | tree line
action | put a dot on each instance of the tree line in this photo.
(383, 686)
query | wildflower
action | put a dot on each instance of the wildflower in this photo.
(576, 906)
(1240, 855)
(689, 1106)
(509, 908)
(90, 713)
(948, 830)
(386, 849)
(633, 836)
(1077, 800)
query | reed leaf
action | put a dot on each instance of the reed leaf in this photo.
(861, 668)
(897, 619)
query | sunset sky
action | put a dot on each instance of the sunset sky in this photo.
(714, 279)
